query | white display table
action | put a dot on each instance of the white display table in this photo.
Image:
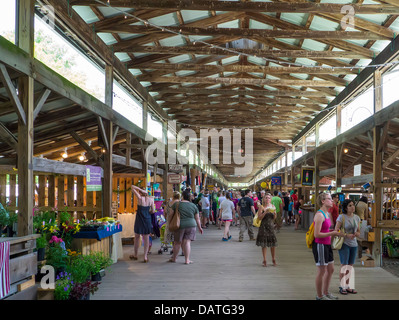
(127, 221)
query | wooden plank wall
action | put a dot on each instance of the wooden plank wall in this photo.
(122, 193)
(124, 198)
(57, 191)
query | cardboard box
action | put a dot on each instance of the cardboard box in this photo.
(367, 261)
(371, 236)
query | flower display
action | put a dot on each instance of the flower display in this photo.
(74, 269)
(63, 286)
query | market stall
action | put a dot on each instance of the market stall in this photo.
(101, 235)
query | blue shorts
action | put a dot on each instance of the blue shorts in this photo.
(347, 255)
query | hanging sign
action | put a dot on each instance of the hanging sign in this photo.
(174, 178)
(276, 181)
(307, 177)
(177, 168)
(357, 170)
(93, 178)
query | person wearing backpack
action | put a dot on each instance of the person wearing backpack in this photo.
(322, 251)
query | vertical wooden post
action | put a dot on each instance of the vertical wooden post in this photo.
(286, 170)
(338, 165)
(108, 126)
(79, 196)
(377, 171)
(377, 91)
(42, 191)
(61, 192)
(338, 118)
(145, 128)
(107, 184)
(166, 157)
(13, 191)
(70, 191)
(317, 135)
(304, 148)
(3, 186)
(316, 179)
(25, 40)
(378, 194)
(51, 191)
(128, 149)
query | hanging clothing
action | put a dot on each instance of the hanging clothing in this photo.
(4, 269)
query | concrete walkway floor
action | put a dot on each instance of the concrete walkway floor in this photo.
(233, 271)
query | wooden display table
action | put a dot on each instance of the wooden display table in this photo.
(87, 242)
(127, 220)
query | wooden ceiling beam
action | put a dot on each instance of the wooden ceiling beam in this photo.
(244, 81)
(190, 100)
(260, 92)
(203, 23)
(246, 68)
(262, 53)
(245, 33)
(297, 7)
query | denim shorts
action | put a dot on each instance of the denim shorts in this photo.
(347, 255)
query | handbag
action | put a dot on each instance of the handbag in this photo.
(337, 242)
(174, 223)
(256, 222)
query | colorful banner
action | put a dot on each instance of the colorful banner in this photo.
(93, 178)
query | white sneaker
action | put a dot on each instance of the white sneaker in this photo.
(331, 296)
(322, 298)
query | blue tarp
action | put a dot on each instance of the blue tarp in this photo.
(99, 234)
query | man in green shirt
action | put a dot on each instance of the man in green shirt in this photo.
(278, 203)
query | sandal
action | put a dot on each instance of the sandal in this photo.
(132, 257)
(352, 291)
(264, 264)
(171, 260)
(342, 291)
(146, 260)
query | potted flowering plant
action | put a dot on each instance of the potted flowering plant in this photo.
(63, 286)
(81, 291)
(79, 267)
(95, 266)
(41, 247)
(7, 220)
(56, 254)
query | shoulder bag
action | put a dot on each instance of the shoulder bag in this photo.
(337, 242)
(174, 223)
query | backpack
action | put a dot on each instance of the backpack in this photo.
(310, 234)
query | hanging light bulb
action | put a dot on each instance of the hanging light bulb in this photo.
(64, 154)
(82, 157)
